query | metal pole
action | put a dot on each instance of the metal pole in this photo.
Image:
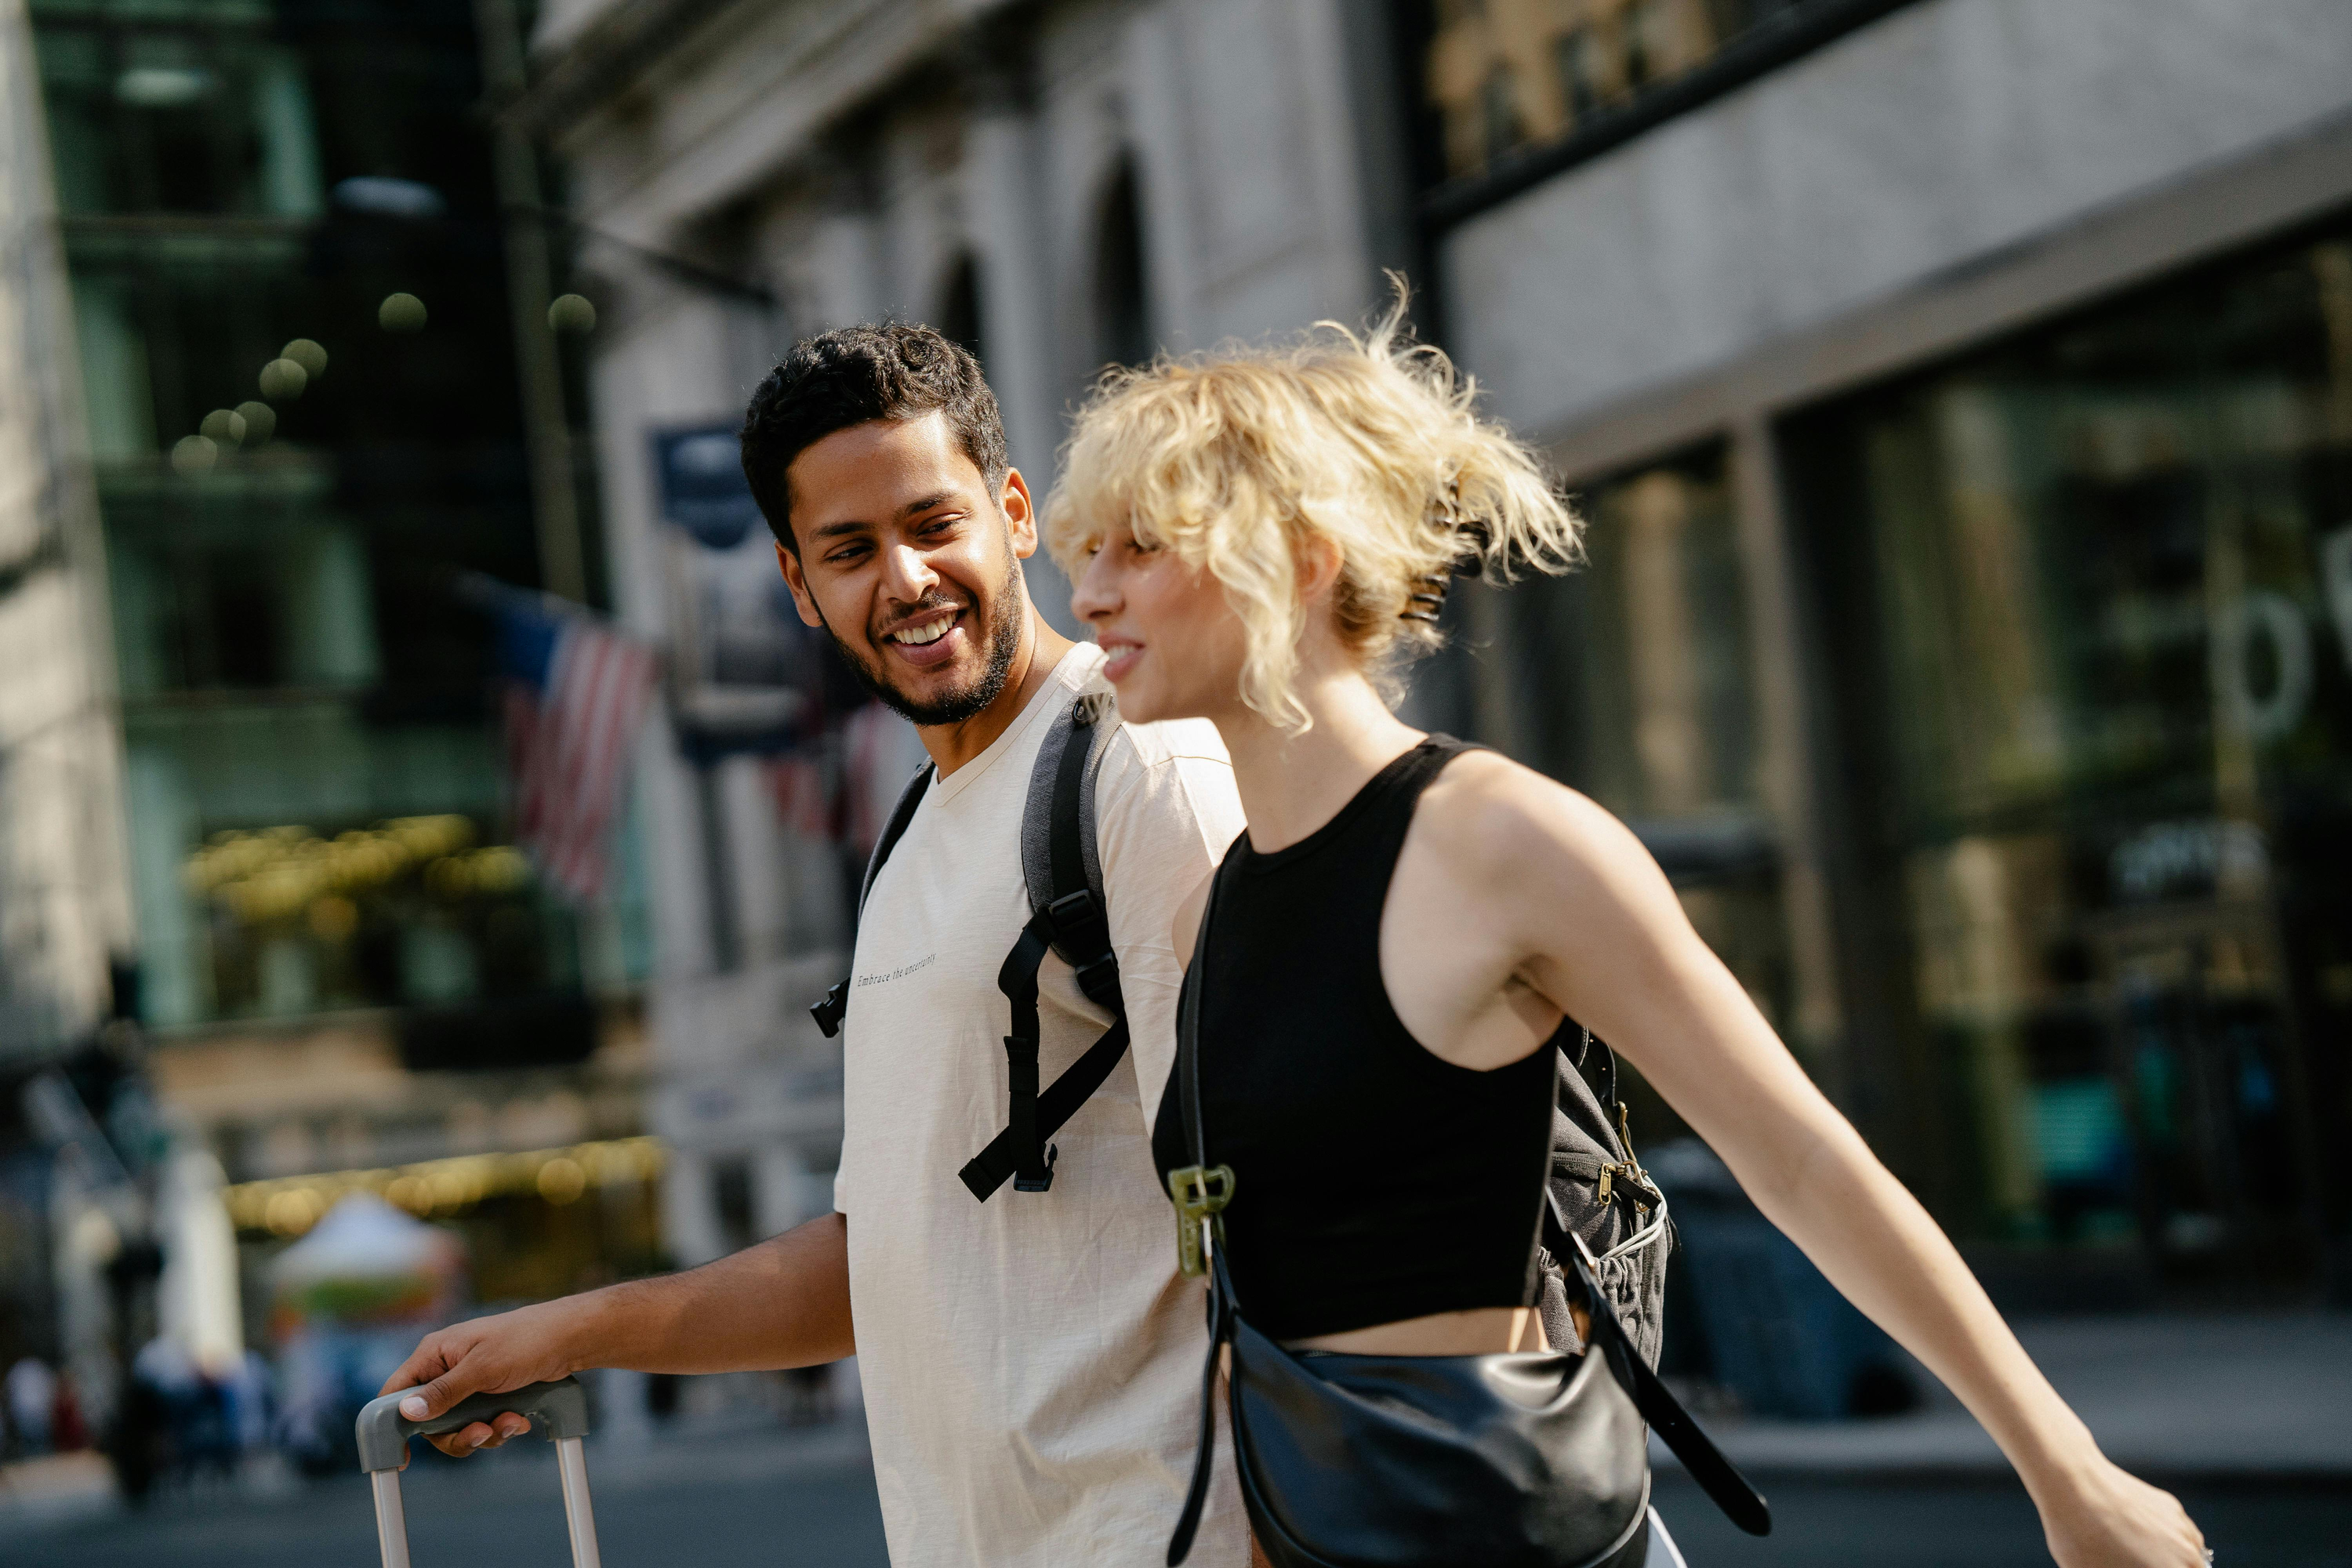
(562, 560)
(578, 1518)
(392, 1524)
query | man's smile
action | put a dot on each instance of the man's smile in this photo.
(929, 639)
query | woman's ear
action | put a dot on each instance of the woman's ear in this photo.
(1319, 567)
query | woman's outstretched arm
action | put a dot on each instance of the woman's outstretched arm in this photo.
(1570, 893)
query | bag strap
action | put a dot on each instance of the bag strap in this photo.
(1716, 1476)
(1057, 843)
(1070, 916)
(1219, 1293)
(830, 1012)
(1607, 1094)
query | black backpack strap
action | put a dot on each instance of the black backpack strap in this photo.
(1070, 918)
(830, 1012)
(1021, 1151)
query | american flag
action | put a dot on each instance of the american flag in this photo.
(575, 693)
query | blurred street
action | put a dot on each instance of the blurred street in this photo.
(713, 1497)
(724, 1504)
(2247, 1417)
(1977, 1523)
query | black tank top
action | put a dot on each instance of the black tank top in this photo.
(1372, 1181)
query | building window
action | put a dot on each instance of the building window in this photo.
(1632, 680)
(959, 315)
(1638, 30)
(154, 117)
(1499, 105)
(2094, 647)
(1505, 76)
(1122, 297)
(1576, 54)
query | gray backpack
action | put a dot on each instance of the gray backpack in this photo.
(1600, 1199)
(1067, 915)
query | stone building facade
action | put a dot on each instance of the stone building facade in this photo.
(1988, 737)
(1053, 186)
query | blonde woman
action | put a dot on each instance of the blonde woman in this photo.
(1258, 538)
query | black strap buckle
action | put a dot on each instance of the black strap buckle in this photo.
(830, 1012)
(1078, 929)
(1043, 1182)
(1069, 915)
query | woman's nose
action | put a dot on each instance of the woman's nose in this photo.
(1094, 594)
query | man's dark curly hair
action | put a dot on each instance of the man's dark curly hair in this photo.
(838, 379)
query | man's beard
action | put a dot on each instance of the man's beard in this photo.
(1004, 634)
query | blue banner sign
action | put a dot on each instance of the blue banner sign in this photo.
(703, 491)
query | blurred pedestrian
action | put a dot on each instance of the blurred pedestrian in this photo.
(1391, 953)
(68, 1429)
(1027, 1360)
(32, 1392)
(808, 1396)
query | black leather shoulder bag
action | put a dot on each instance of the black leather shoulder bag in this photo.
(1522, 1460)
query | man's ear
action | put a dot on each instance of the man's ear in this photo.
(1020, 511)
(797, 581)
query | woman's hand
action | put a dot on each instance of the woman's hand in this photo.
(2108, 1519)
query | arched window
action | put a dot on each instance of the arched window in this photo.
(1122, 301)
(959, 316)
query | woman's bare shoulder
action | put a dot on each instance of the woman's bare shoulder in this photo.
(1494, 818)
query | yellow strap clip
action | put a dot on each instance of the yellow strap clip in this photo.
(1628, 1166)
(1199, 1193)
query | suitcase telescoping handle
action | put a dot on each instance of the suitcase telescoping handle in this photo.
(560, 1408)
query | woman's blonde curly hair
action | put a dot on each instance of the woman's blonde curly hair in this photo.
(1234, 459)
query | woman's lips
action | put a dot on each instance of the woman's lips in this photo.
(1121, 660)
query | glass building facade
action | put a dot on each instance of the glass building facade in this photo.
(2086, 609)
(2076, 655)
(313, 774)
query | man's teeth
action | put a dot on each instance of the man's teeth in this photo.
(929, 631)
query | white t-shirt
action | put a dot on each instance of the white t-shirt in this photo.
(1032, 1365)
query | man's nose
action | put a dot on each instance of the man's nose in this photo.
(906, 575)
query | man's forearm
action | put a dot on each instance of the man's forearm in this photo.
(784, 1302)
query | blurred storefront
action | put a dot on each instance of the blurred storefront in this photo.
(2093, 607)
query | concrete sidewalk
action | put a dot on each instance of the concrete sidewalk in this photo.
(739, 1448)
(2208, 1397)
(2178, 1398)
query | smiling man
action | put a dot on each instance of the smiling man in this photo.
(1030, 1364)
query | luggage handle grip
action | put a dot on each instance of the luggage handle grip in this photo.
(561, 1407)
